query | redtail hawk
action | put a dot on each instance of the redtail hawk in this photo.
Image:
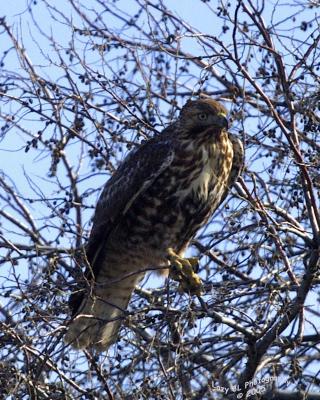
(147, 214)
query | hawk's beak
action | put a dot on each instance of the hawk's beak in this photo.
(222, 121)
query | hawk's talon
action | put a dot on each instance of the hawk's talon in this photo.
(183, 271)
(194, 261)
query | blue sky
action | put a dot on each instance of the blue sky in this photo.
(15, 161)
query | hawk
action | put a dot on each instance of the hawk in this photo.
(147, 214)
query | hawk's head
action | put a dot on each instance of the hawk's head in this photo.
(198, 115)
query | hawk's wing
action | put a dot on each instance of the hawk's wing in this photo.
(136, 173)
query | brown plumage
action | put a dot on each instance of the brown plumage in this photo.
(157, 200)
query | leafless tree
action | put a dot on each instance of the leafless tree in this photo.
(83, 82)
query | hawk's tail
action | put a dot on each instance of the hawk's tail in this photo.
(99, 316)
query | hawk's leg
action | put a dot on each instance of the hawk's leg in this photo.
(183, 271)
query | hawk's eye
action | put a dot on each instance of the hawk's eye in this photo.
(202, 116)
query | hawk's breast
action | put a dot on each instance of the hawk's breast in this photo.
(208, 180)
(201, 178)
(183, 197)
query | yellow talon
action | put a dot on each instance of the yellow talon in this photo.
(183, 271)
